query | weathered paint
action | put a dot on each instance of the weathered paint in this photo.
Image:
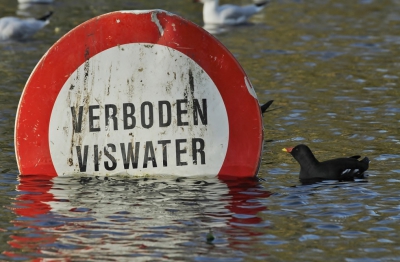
(74, 102)
(180, 104)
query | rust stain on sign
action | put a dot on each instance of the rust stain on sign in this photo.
(152, 122)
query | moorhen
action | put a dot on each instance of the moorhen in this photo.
(342, 169)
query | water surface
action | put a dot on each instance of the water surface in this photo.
(332, 69)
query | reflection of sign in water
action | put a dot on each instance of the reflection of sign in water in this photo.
(138, 93)
(81, 219)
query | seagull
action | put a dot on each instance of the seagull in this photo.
(14, 28)
(228, 14)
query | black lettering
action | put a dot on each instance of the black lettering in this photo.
(82, 162)
(180, 151)
(149, 149)
(164, 143)
(112, 115)
(128, 115)
(92, 118)
(197, 111)
(96, 158)
(161, 113)
(180, 111)
(143, 114)
(112, 158)
(77, 123)
(191, 82)
(198, 150)
(128, 157)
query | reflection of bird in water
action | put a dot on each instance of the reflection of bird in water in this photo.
(342, 169)
(14, 28)
(35, 1)
(24, 5)
(228, 14)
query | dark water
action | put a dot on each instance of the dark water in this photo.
(332, 68)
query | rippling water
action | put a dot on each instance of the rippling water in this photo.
(332, 68)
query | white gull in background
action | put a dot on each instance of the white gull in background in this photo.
(228, 14)
(14, 28)
(25, 5)
(35, 1)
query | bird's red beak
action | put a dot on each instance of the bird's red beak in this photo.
(288, 149)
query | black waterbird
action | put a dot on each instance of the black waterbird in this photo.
(265, 106)
(342, 169)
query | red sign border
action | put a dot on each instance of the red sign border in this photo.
(124, 27)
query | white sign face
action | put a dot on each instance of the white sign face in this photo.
(139, 109)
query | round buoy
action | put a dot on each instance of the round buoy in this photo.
(137, 93)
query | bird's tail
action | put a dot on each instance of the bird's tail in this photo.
(261, 4)
(265, 106)
(365, 161)
(46, 16)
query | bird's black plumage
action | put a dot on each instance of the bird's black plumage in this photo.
(46, 16)
(265, 106)
(342, 169)
(262, 3)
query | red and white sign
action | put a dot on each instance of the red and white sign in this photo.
(137, 93)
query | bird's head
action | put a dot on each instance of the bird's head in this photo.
(301, 153)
